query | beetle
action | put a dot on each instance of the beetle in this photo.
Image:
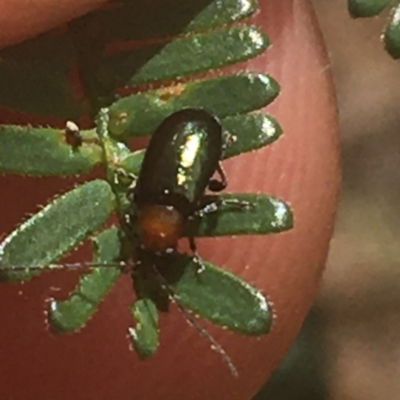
(169, 194)
(183, 155)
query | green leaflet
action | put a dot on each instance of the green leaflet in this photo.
(220, 297)
(266, 214)
(391, 36)
(59, 227)
(182, 56)
(144, 336)
(252, 132)
(133, 162)
(366, 8)
(43, 151)
(370, 8)
(226, 96)
(72, 314)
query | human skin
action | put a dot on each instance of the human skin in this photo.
(302, 167)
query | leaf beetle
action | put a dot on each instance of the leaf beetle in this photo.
(169, 195)
(183, 155)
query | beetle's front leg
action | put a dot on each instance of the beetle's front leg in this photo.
(123, 178)
(217, 185)
(196, 258)
(192, 244)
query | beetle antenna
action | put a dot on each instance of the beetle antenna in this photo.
(192, 320)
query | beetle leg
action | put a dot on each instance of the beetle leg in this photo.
(130, 193)
(217, 185)
(196, 258)
(120, 173)
(121, 177)
(200, 265)
(210, 204)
